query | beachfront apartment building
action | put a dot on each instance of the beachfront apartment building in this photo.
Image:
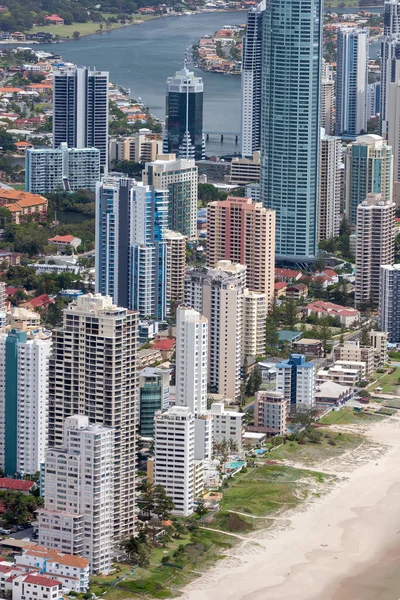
(351, 351)
(228, 425)
(270, 412)
(295, 380)
(174, 462)
(154, 388)
(78, 516)
(330, 187)
(389, 301)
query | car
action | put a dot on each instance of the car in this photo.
(5, 531)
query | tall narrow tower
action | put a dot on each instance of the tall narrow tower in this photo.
(290, 118)
(251, 80)
(80, 109)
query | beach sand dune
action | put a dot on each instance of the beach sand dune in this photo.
(337, 547)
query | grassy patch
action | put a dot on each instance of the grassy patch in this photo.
(66, 31)
(392, 403)
(332, 444)
(389, 383)
(265, 490)
(231, 522)
(346, 416)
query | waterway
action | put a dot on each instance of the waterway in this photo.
(141, 57)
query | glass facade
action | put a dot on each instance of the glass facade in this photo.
(184, 114)
(290, 123)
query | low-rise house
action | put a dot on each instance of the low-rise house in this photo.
(280, 288)
(41, 301)
(330, 392)
(309, 346)
(166, 346)
(297, 291)
(22, 317)
(65, 241)
(11, 258)
(72, 571)
(288, 275)
(147, 358)
(345, 316)
(358, 365)
(55, 19)
(17, 485)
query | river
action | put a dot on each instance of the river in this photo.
(141, 57)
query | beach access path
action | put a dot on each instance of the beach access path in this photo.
(324, 542)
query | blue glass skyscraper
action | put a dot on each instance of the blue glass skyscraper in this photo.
(290, 123)
(131, 250)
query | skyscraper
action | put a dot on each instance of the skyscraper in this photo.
(391, 18)
(154, 396)
(80, 109)
(290, 123)
(369, 164)
(183, 133)
(191, 359)
(176, 266)
(327, 99)
(218, 295)
(251, 80)
(244, 232)
(389, 302)
(191, 375)
(24, 400)
(93, 373)
(352, 81)
(77, 517)
(330, 187)
(390, 73)
(179, 177)
(374, 245)
(393, 137)
(131, 250)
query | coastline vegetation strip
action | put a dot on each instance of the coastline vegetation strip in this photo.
(347, 416)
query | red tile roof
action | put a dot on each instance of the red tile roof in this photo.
(63, 239)
(16, 484)
(164, 345)
(280, 285)
(41, 580)
(42, 300)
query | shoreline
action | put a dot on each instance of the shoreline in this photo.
(330, 543)
(327, 8)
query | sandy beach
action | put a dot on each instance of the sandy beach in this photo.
(344, 545)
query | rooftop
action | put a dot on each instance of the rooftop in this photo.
(16, 484)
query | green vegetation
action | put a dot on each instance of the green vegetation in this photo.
(19, 508)
(346, 416)
(389, 383)
(265, 490)
(70, 31)
(312, 448)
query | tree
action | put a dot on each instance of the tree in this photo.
(201, 507)
(365, 338)
(146, 499)
(137, 552)
(76, 35)
(271, 332)
(290, 313)
(163, 504)
(304, 418)
(324, 332)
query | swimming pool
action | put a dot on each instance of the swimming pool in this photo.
(234, 465)
(260, 451)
